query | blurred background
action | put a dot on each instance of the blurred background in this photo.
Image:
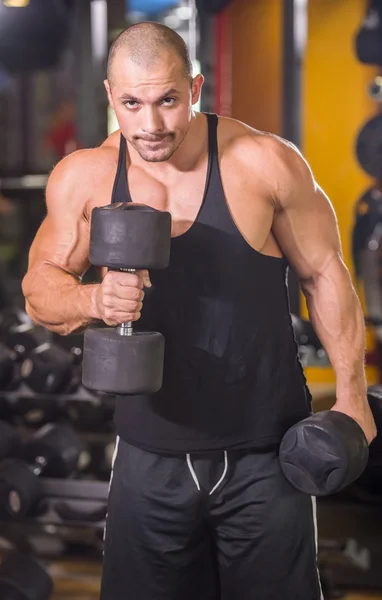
(308, 70)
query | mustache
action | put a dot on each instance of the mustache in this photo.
(155, 138)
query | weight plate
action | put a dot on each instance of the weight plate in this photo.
(369, 147)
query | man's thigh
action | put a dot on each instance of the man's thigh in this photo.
(157, 545)
(265, 533)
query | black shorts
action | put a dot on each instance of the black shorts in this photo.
(217, 526)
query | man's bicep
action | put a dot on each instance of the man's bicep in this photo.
(63, 237)
(305, 225)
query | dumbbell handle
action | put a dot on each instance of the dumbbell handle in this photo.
(38, 465)
(126, 328)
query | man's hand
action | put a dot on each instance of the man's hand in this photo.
(119, 297)
(362, 414)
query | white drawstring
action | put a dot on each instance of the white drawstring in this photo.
(111, 479)
(192, 471)
(224, 473)
(194, 477)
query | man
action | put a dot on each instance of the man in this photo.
(198, 507)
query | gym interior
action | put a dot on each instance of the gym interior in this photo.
(307, 70)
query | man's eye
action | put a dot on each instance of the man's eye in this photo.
(131, 103)
(168, 101)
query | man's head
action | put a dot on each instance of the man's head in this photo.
(151, 88)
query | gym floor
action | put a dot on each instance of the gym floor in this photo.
(80, 580)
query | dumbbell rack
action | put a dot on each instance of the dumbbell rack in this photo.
(70, 505)
(71, 509)
(59, 402)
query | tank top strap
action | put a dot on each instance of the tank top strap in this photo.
(121, 191)
(214, 208)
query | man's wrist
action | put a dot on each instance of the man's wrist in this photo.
(351, 385)
(91, 290)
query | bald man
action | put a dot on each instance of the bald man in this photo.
(198, 507)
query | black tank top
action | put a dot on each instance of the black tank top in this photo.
(232, 377)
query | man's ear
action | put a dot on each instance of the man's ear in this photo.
(108, 90)
(196, 88)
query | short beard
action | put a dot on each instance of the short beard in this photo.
(152, 156)
(160, 155)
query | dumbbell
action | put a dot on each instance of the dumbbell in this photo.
(304, 333)
(23, 578)
(49, 369)
(12, 316)
(8, 367)
(10, 443)
(310, 348)
(55, 450)
(126, 237)
(46, 367)
(324, 453)
(24, 337)
(17, 336)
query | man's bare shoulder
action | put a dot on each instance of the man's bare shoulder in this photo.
(251, 147)
(83, 170)
(86, 164)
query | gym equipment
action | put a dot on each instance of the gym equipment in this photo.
(375, 89)
(368, 487)
(369, 147)
(310, 349)
(40, 28)
(304, 333)
(12, 317)
(22, 578)
(7, 367)
(46, 367)
(368, 40)
(126, 237)
(367, 215)
(369, 265)
(17, 336)
(22, 338)
(54, 451)
(49, 369)
(10, 443)
(323, 453)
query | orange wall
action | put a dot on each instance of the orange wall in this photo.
(256, 59)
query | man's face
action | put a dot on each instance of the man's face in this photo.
(153, 105)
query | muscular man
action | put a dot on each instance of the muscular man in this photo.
(198, 507)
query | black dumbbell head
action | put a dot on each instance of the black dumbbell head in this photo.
(12, 317)
(19, 488)
(10, 443)
(59, 446)
(130, 236)
(22, 578)
(24, 338)
(324, 453)
(7, 366)
(48, 369)
(118, 364)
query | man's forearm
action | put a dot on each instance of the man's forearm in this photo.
(337, 318)
(58, 300)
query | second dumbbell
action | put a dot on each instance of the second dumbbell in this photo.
(54, 451)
